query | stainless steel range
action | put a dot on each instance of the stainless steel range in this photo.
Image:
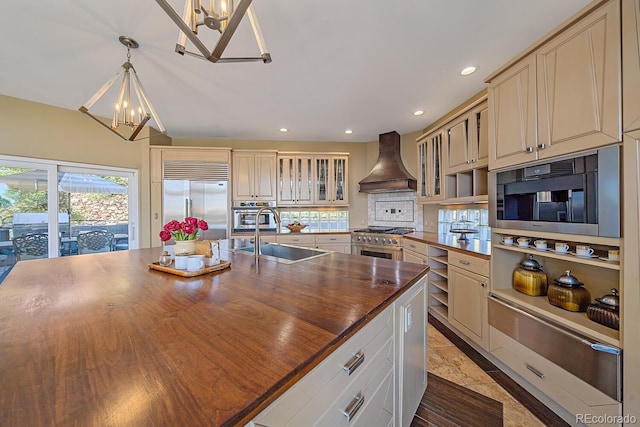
(381, 242)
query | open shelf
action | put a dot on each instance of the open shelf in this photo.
(443, 259)
(566, 257)
(440, 312)
(442, 272)
(443, 285)
(441, 297)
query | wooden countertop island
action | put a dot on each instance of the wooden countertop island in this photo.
(101, 340)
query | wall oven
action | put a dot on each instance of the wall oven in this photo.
(246, 219)
(575, 195)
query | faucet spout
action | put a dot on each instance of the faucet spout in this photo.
(256, 239)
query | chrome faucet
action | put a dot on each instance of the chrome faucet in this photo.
(256, 238)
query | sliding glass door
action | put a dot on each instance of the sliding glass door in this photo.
(43, 199)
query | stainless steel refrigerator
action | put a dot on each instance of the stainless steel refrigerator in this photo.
(201, 199)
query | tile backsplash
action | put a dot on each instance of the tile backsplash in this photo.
(395, 209)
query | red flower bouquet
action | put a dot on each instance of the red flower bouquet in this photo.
(186, 230)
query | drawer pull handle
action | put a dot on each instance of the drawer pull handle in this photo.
(353, 363)
(352, 409)
(332, 238)
(464, 262)
(535, 371)
(412, 246)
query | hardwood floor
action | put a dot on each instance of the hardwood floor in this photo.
(448, 404)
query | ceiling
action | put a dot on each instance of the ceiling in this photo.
(364, 65)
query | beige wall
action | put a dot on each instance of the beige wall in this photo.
(29, 129)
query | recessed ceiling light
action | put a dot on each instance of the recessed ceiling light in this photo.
(284, 130)
(418, 113)
(467, 70)
(348, 131)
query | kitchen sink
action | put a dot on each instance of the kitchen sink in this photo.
(284, 253)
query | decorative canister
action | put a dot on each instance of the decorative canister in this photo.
(529, 278)
(185, 247)
(606, 310)
(568, 292)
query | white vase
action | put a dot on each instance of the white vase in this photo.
(185, 247)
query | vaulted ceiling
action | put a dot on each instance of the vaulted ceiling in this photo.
(364, 65)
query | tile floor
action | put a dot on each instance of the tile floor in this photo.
(450, 363)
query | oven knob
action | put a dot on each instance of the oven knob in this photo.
(369, 238)
(377, 240)
(394, 241)
(384, 240)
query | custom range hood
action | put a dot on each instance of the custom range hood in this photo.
(388, 174)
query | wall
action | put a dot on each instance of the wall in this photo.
(358, 169)
(29, 129)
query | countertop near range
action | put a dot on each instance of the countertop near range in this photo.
(481, 249)
(102, 340)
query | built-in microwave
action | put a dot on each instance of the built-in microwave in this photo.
(575, 195)
(246, 218)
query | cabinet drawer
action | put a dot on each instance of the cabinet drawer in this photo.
(468, 262)
(420, 247)
(332, 238)
(575, 395)
(327, 406)
(297, 239)
(331, 373)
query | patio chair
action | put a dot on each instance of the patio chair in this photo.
(93, 242)
(31, 246)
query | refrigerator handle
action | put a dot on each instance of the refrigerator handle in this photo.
(186, 208)
(190, 206)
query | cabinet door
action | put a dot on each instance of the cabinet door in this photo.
(413, 355)
(512, 119)
(578, 82)
(479, 136)
(435, 167)
(414, 257)
(468, 304)
(422, 172)
(243, 176)
(304, 180)
(457, 145)
(631, 67)
(339, 180)
(331, 180)
(265, 176)
(286, 181)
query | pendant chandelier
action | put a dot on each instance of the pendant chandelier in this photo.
(223, 16)
(132, 108)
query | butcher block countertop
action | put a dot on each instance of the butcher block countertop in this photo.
(102, 340)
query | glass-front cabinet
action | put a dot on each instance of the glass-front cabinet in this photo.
(430, 182)
(295, 180)
(331, 180)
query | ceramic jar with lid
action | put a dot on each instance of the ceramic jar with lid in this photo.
(568, 292)
(529, 278)
(606, 310)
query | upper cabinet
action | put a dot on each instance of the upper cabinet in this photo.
(295, 180)
(578, 85)
(631, 68)
(468, 140)
(512, 107)
(562, 98)
(254, 175)
(331, 180)
(430, 169)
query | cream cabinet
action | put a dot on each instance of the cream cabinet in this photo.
(512, 115)
(415, 252)
(331, 183)
(297, 239)
(468, 292)
(563, 97)
(430, 167)
(467, 141)
(334, 242)
(631, 68)
(578, 85)
(376, 378)
(295, 180)
(438, 283)
(254, 175)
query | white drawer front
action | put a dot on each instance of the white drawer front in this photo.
(333, 238)
(330, 372)
(297, 239)
(468, 262)
(413, 245)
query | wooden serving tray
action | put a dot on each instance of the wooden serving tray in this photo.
(184, 273)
